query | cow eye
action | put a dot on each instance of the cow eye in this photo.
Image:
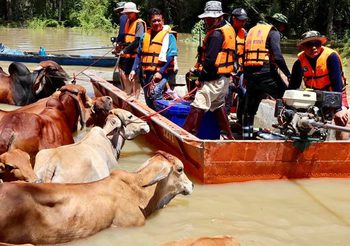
(8, 168)
(180, 169)
(130, 116)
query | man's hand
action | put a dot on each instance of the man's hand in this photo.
(341, 117)
(157, 77)
(198, 84)
(117, 49)
(132, 75)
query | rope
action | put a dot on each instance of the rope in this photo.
(75, 76)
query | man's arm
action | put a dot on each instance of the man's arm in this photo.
(335, 76)
(209, 71)
(171, 53)
(137, 60)
(275, 46)
(296, 76)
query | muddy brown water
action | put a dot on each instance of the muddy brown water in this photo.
(272, 213)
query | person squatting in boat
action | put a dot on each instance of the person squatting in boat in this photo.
(155, 56)
(321, 68)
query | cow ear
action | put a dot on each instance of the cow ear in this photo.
(155, 170)
(112, 123)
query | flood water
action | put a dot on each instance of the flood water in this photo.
(270, 213)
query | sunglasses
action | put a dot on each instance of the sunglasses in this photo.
(313, 44)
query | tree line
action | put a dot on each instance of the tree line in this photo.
(329, 17)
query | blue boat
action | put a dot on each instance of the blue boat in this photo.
(7, 54)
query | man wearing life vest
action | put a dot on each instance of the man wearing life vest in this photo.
(238, 20)
(215, 66)
(134, 29)
(155, 57)
(321, 69)
(262, 59)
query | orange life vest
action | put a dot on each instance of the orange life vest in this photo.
(255, 52)
(151, 50)
(130, 32)
(318, 79)
(240, 38)
(226, 56)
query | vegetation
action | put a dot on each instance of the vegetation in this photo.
(329, 17)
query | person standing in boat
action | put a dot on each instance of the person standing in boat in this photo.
(122, 21)
(321, 69)
(262, 59)
(135, 27)
(215, 67)
(155, 56)
(238, 19)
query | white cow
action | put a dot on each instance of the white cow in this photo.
(94, 156)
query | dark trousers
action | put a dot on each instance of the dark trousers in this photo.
(259, 86)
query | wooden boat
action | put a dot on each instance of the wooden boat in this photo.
(76, 60)
(223, 161)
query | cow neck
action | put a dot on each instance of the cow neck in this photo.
(67, 98)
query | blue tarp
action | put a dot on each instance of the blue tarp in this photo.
(5, 50)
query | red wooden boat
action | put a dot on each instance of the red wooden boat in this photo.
(223, 161)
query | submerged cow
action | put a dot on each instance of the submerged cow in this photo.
(51, 213)
(93, 157)
(205, 241)
(21, 87)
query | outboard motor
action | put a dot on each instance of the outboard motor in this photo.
(307, 115)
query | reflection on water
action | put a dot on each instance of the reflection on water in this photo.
(279, 212)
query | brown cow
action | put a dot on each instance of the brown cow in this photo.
(15, 165)
(96, 109)
(205, 241)
(51, 213)
(22, 87)
(32, 132)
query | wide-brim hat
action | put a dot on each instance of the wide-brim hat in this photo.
(120, 6)
(312, 36)
(278, 17)
(130, 7)
(212, 9)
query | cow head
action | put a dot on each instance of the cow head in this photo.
(121, 125)
(99, 111)
(50, 77)
(78, 93)
(15, 165)
(131, 126)
(167, 173)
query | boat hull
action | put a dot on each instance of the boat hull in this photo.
(74, 60)
(220, 161)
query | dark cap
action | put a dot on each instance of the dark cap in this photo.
(240, 14)
(278, 17)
